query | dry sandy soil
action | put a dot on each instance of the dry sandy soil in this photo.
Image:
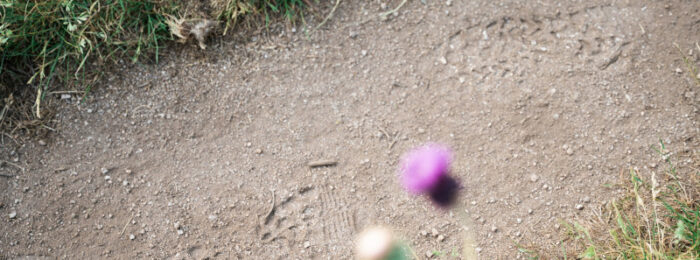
(205, 154)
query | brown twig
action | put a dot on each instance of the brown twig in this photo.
(272, 209)
(322, 163)
(337, 2)
(387, 13)
(15, 165)
(126, 225)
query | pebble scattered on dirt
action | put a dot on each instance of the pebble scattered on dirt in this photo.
(538, 126)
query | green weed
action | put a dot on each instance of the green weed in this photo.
(652, 222)
(50, 43)
(43, 40)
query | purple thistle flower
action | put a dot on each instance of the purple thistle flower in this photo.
(424, 167)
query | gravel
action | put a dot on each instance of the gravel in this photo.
(534, 178)
(587, 199)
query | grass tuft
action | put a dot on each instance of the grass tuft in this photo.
(653, 221)
(53, 43)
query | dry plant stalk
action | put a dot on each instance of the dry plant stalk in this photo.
(198, 29)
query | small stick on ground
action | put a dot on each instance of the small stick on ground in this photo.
(393, 138)
(393, 142)
(322, 163)
(337, 2)
(8, 135)
(66, 92)
(268, 216)
(15, 165)
(387, 13)
(127, 224)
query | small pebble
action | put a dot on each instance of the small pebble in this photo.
(478, 249)
(258, 151)
(570, 151)
(429, 254)
(579, 206)
(494, 229)
(13, 214)
(307, 244)
(128, 171)
(132, 237)
(443, 60)
(534, 178)
(104, 170)
(180, 232)
(586, 199)
(42, 142)
(434, 232)
(440, 238)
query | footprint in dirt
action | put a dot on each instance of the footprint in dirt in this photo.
(313, 219)
(515, 46)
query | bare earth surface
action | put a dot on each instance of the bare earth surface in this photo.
(205, 154)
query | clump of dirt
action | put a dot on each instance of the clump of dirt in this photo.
(207, 154)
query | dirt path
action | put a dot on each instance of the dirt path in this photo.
(205, 155)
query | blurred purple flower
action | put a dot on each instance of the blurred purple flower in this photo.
(424, 167)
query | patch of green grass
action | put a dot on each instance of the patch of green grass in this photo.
(41, 41)
(49, 43)
(690, 66)
(230, 11)
(653, 221)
